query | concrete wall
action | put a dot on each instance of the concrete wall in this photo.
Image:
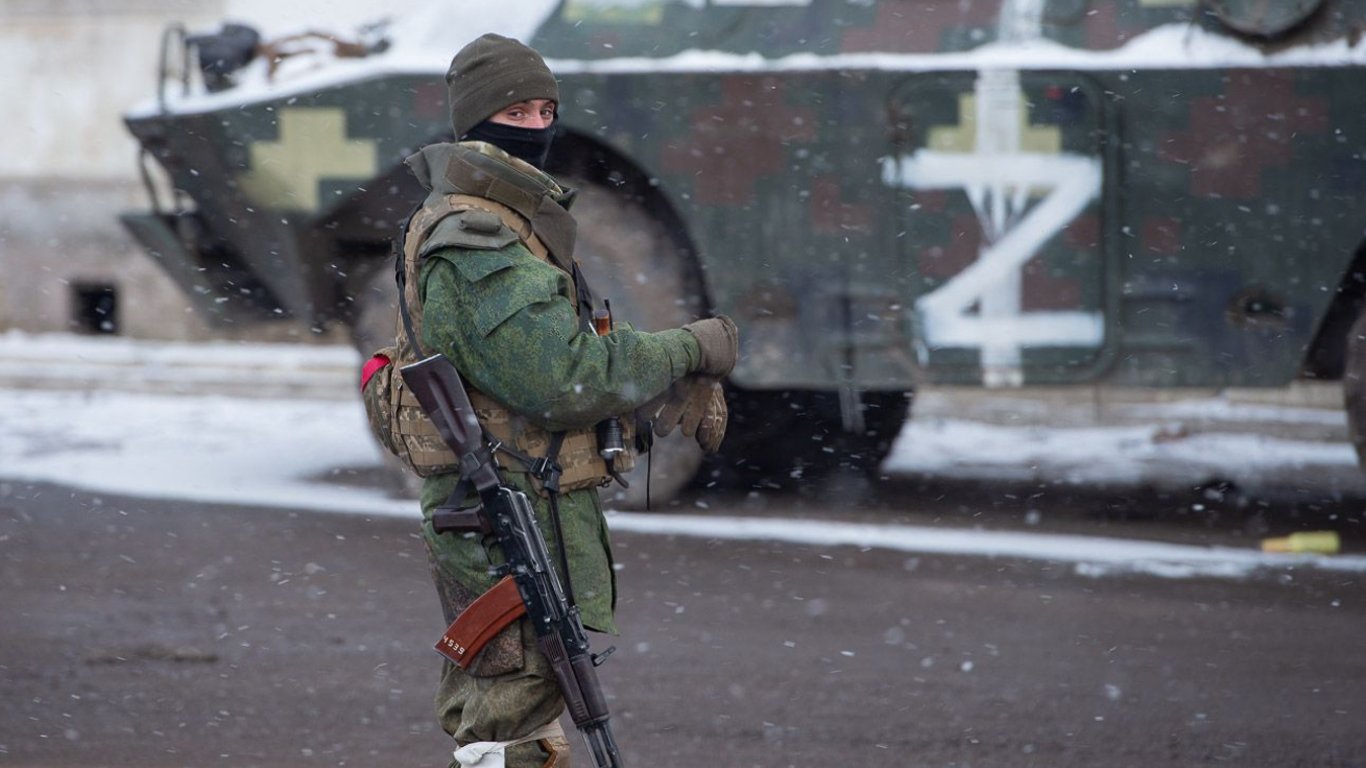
(68, 70)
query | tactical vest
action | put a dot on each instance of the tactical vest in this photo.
(400, 423)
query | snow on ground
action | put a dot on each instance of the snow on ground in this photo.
(1110, 455)
(106, 432)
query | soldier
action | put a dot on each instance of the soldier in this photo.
(499, 293)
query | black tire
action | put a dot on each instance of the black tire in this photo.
(1354, 387)
(786, 439)
(372, 322)
(630, 259)
(374, 311)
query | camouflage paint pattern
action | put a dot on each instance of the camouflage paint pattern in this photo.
(874, 205)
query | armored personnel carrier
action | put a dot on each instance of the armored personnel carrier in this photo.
(881, 192)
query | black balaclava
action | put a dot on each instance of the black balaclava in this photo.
(529, 144)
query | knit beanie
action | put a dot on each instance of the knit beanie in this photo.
(491, 73)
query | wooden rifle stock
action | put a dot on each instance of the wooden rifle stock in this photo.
(442, 396)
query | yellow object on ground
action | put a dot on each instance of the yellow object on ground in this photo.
(1322, 542)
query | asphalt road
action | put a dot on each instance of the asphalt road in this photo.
(153, 633)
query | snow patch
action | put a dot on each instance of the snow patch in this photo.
(284, 453)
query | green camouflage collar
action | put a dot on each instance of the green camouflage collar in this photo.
(476, 168)
(483, 170)
(540, 177)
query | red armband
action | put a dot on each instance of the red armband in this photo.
(372, 366)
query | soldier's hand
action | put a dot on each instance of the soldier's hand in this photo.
(684, 404)
(711, 430)
(719, 340)
(697, 404)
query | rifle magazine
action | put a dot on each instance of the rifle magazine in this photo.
(488, 615)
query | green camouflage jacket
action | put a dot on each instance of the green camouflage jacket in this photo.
(507, 321)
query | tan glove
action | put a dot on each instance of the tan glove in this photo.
(698, 405)
(720, 342)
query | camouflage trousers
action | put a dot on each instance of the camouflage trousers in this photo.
(502, 707)
(507, 692)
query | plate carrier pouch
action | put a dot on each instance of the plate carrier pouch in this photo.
(397, 420)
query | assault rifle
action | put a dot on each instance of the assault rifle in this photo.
(507, 514)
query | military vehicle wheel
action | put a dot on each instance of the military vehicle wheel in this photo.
(375, 311)
(630, 259)
(1354, 387)
(783, 439)
(372, 324)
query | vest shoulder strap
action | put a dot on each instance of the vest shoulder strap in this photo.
(473, 229)
(511, 219)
